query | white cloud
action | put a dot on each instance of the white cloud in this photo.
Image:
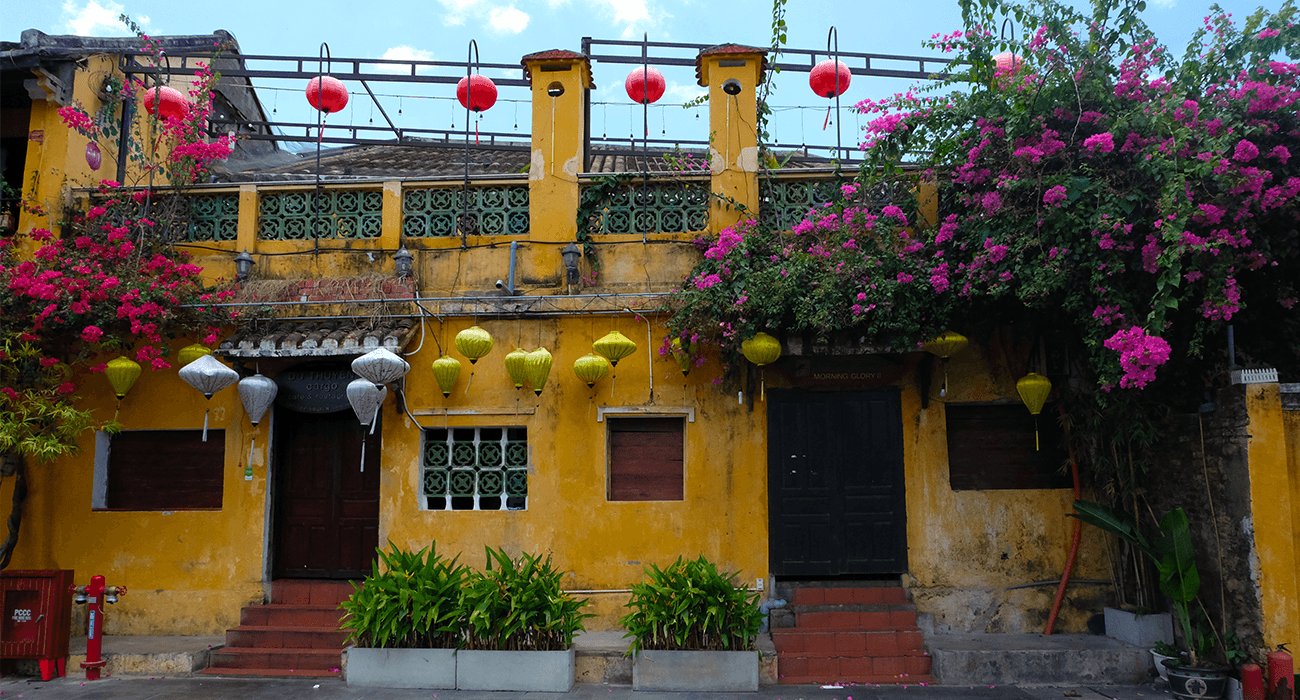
(683, 92)
(95, 19)
(1165, 4)
(629, 11)
(403, 53)
(508, 19)
(457, 10)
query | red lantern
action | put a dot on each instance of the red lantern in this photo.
(93, 157)
(1006, 62)
(481, 97)
(327, 94)
(829, 78)
(645, 85)
(166, 102)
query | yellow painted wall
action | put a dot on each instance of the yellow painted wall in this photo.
(187, 572)
(1271, 460)
(1291, 426)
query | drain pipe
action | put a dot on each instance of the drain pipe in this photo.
(1074, 537)
(509, 285)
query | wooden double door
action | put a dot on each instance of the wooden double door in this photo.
(835, 483)
(326, 507)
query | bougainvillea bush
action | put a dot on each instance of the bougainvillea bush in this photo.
(1095, 190)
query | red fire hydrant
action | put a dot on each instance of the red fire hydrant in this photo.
(95, 595)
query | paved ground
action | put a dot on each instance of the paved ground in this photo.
(211, 688)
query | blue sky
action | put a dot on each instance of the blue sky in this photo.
(505, 30)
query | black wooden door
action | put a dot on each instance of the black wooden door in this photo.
(327, 509)
(835, 483)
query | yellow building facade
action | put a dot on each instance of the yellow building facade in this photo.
(975, 558)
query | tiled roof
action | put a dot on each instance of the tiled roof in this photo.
(330, 338)
(442, 159)
(556, 55)
(431, 159)
(728, 49)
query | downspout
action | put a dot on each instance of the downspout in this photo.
(1074, 537)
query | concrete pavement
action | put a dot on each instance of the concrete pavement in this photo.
(212, 688)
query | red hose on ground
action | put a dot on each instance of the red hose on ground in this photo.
(1074, 542)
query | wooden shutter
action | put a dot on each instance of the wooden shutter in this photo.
(992, 447)
(645, 459)
(165, 470)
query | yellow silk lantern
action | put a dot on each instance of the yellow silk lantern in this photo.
(761, 350)
(682, 353)
(538, 368)
(947, 344)
(516, 366)
(122, 372)
(474, 343)
(614, 347)
(446, 369)
(1033, 389)
(190, 353)
(591, 368)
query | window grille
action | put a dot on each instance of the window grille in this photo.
(288, 216)
(475, 469)
(493, 211)
(663, 207)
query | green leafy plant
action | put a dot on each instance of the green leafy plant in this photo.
(1175, 561)
(688, 606)
(413, 602)
(518, 605)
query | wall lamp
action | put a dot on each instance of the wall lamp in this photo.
(571, 255)
(731, 86)
(403, 258)
(243, 265)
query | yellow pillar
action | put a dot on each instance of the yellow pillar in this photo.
(1271, 511)
(732, 74)
(559, 79)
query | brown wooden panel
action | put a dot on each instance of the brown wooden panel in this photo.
(992, 447)
(165, 470)
(646, 459)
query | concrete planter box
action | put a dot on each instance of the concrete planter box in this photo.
(401, 668)
(548, 671)
(696, 671)
(1139, 630)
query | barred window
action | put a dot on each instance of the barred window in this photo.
(475, 469)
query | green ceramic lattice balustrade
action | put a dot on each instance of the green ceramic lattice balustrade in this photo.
(213, 217)
(493, 211)
(288, 216)
(785, 203)
(475, 469)
(662, 207)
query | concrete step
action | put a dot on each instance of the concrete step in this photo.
(1028, 659)
(277, 614)
(310, 591)
(284, 637)
(876, 595)
(848, 642)
(896, 670)
(271, 659)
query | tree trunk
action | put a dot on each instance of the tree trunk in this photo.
(13, 464)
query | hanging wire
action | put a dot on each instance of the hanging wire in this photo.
(471, 66)
(323, 63)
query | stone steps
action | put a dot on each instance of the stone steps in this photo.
(843, 633)
(297, 634)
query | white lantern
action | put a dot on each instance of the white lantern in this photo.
(366, 397)
(209, 376)
(257, 392)
(381, 366)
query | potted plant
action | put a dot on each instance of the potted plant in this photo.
(405, 621)
(693, 629)
(1175, 561)
(518, 627)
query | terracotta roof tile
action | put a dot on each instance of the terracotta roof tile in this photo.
(729, 49)
(329, 338)
(557, 55)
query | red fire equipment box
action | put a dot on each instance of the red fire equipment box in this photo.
(37, 618)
